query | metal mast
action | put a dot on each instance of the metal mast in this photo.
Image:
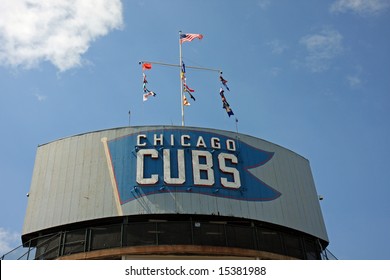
(181, 77)
(181, 81)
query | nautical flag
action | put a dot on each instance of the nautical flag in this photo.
(146, 95)
(224, 82)
(229, 111)
(221, 91)
(147, 92)
(183, 73)
(144, 83)
(185, 101)
(189, 37)
(192, 97)
(225, 104)
(146, 66)
(183, 67)
(188, 89)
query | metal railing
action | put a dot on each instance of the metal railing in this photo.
(207, 233)
(327, 255)
(26, 251)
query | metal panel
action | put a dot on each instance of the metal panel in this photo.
(81, 178)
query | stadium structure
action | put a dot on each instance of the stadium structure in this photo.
(171, 192)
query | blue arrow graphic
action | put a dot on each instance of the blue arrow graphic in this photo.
(123, 153)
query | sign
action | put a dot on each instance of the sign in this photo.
(187, 161)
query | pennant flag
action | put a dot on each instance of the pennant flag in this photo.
(229, 111)
(221, 91)
(183, 67)
(146, 66)
(144, 83)
(224, 82)
(188, 89)
(148, 94)
(185, 101)
(192, 97)
(144, 78)
(183, 72)
(225, 104)
(189, 37)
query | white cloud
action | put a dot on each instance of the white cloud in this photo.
(322, 48)
(8, 241)
(33, 31)
(277, 47)
(361, 7)
(263, 4)
(275, 71)
(40, 97)
(354, 81)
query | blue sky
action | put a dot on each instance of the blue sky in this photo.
(311, 76)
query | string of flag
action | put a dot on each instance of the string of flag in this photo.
(225, 104)
(187, 90)
(147, 93)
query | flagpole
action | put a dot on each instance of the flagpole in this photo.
(181, 82)
(187, 38)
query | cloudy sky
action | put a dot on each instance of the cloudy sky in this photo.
(311, 76)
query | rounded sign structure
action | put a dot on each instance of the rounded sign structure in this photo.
(171, 170)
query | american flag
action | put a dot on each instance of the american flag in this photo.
(189, 37)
